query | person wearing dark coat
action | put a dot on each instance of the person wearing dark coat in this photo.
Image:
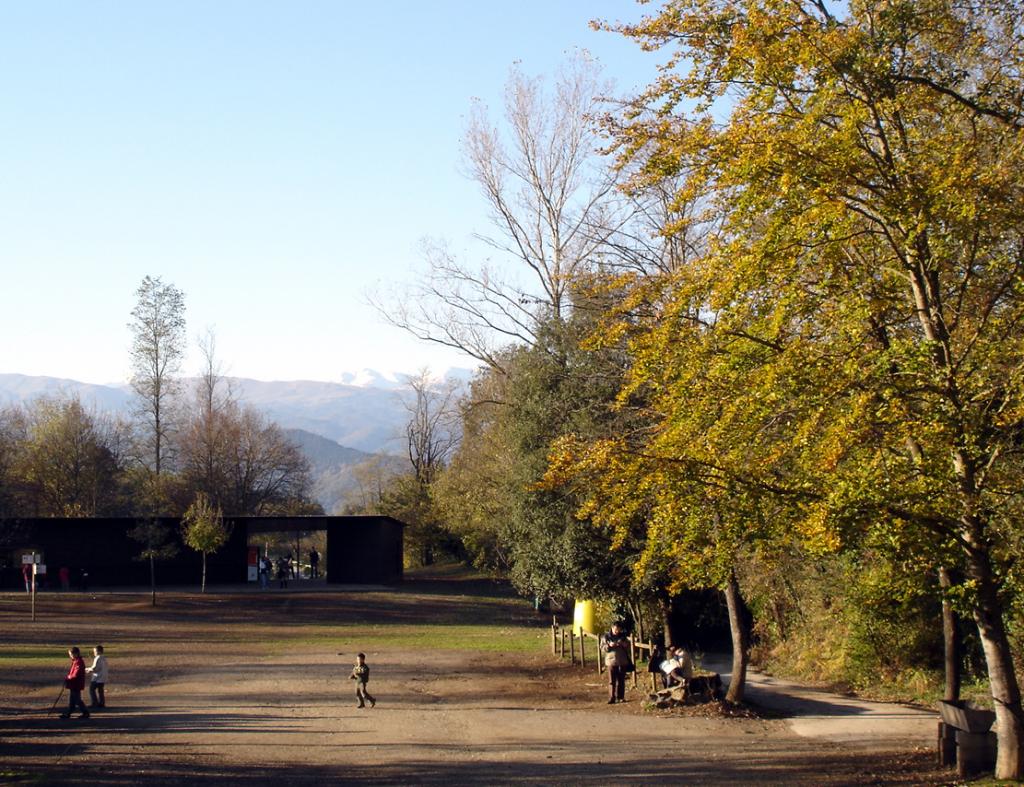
(75, 683)
(615, 646)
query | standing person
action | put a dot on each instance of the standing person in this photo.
(98, 682)
(361, 675)
(65, 578)
(26, 573)
(314, 563)
(616, 658)
(282, 573)
(75, 682)
(263, 571)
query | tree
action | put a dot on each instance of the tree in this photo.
(372, 477)
(12, 437)
(552, 205)
(203, 529)
(205, 440)
(158, 345)
(66, 465)
(431, 433)
(266, 472)
(155, 539)
(868, 173)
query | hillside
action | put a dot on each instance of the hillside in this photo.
(363, 417)
(337, 426)
(333, 467)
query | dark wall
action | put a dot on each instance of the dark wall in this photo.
(104, 549)
(359, 549)
(364, 549)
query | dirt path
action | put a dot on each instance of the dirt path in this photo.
(226, 712)
(851, 721)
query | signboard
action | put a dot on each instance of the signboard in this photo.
(254, 554)
(33, 558)
(40, 568)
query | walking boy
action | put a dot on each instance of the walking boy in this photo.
(361, 675)
(75, 682)
(98, 671)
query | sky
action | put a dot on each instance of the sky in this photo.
(276, 161)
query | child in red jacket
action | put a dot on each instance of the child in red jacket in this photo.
(75, 683)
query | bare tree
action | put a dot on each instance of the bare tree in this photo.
(432, 432)
(204, 442)
(371, 478)
(158, 344)
(550, 195)
(267, 473)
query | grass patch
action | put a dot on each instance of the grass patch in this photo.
(20, 777)
(478, 638)
(27, 655)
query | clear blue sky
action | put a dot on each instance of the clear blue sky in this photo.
(274, 160)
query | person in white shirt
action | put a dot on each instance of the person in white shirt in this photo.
(678, 668)
(98, 672)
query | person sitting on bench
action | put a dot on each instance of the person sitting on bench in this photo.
(677, 668)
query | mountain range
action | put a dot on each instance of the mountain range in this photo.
(337, 425)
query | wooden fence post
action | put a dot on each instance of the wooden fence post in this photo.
(583, 649)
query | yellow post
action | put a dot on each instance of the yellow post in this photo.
(583, 617)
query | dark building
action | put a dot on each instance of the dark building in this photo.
(360, 549)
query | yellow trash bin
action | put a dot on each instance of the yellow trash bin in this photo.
(583, 617)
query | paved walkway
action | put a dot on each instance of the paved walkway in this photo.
(815, 713)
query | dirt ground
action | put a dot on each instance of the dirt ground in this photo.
(248, 688)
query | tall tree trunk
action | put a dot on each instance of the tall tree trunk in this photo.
(988, 614)
(202, 588)
(950, 639)
(740, 630)
(665, 605)
(636, 609)
(152, 578)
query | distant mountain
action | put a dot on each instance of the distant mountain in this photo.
(368, 416)
(333, 468)
(18, 388)
(396, 381)
(324, 454)
(371, 378)
(317, 416)
(365, 418)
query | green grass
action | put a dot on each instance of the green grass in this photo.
(48, 655)
(28, 655)
(479, 638)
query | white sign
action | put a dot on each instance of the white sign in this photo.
(31, 558)
(40, 568)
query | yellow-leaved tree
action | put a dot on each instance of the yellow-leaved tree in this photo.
(846, 357)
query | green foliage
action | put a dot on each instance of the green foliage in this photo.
(202, 527)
